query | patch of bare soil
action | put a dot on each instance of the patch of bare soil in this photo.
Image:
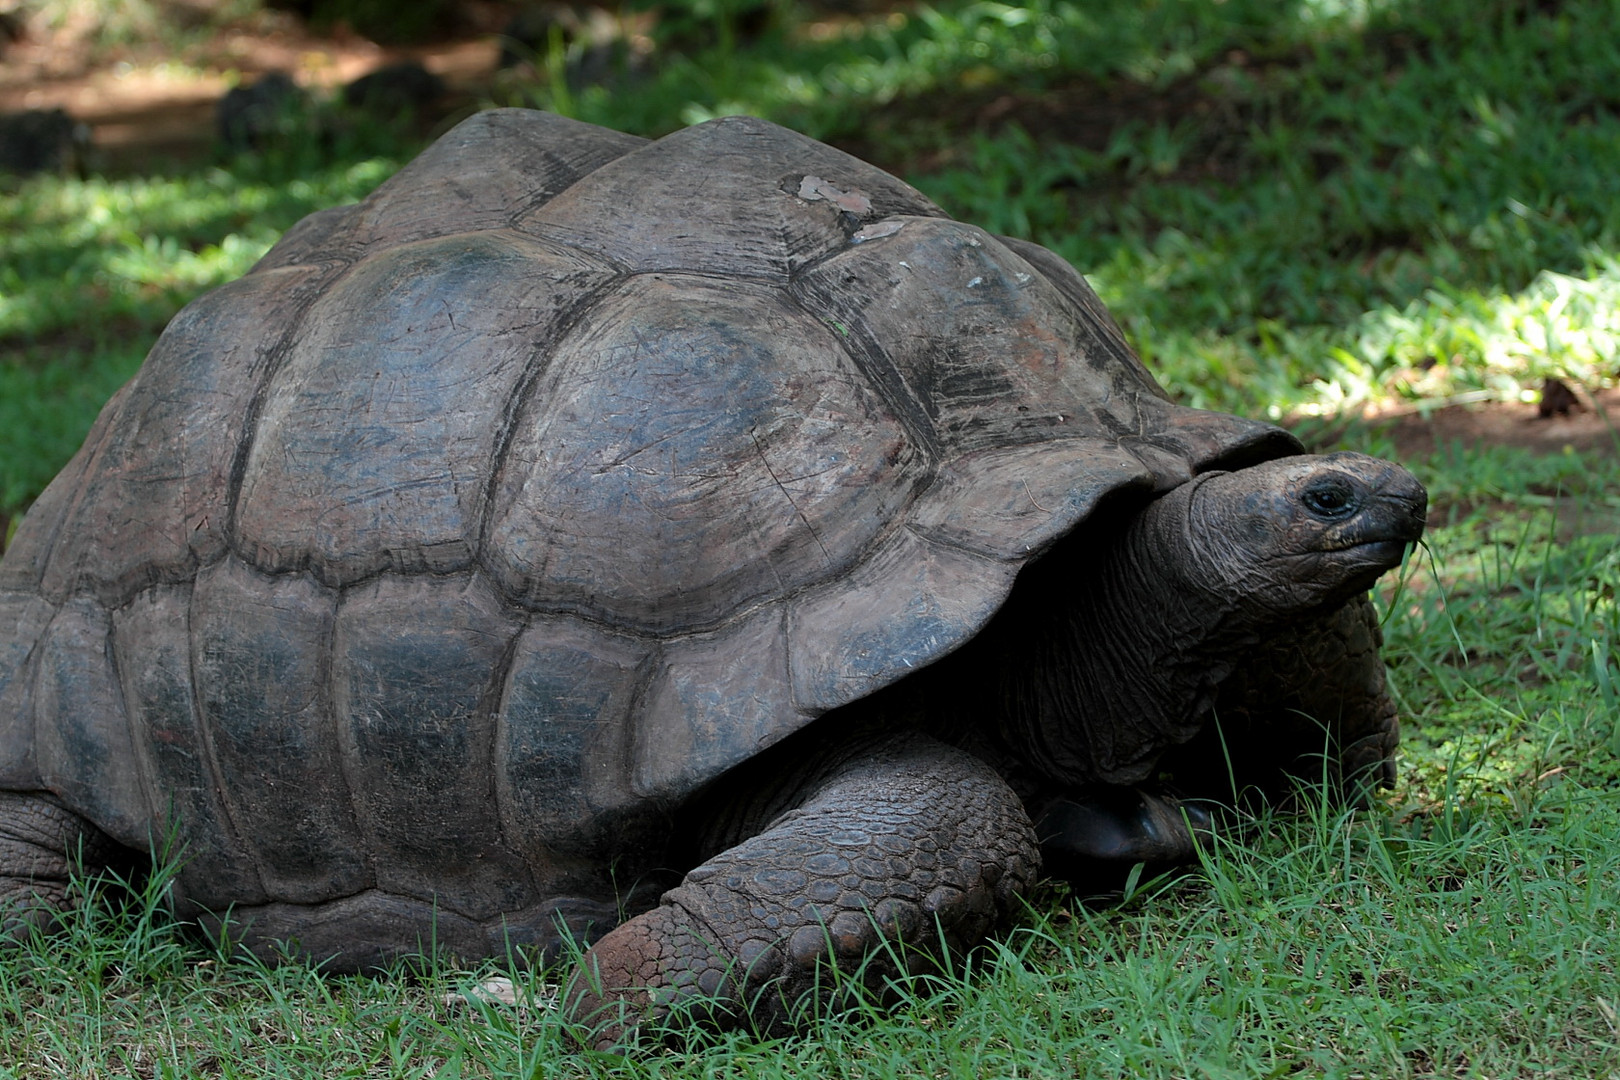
(1591, 426)
(142, 105)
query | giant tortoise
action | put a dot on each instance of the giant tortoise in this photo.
(707, 532)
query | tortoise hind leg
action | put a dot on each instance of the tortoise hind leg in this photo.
(876, 860)
(41, 845)
(1310, 705)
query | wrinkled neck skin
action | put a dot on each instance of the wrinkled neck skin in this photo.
(1114, 662)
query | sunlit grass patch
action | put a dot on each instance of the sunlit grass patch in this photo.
(91, 270)
(140, 247)
(1456, 341)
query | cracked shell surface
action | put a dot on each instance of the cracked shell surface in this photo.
(552, 489)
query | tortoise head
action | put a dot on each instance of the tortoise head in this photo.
(1299, 533)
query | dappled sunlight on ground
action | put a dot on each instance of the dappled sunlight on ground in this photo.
(142, 105)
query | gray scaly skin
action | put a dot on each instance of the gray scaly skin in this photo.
(1311, 704)
(41, 846)
(1105, 667)
(901, 840)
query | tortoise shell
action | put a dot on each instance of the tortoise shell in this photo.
(489, 518)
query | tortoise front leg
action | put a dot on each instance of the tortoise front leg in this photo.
(1311, 704)
(41, 844)
(886, 858)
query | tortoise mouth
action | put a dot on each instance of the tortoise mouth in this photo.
(1386, 552)
(1368, 557)
(1360, 563)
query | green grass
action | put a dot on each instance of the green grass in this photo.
(1294, 208)
(1313, 204)
(1464, 939)
(1429, 189)
(90, 271)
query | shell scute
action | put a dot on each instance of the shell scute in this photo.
(152, 640)
(151, 504)
(563, 734)
(715, 700)
(260, 647)
(1087, 306)
(729, 198)
(523, 159)
(318, 238)
(417, 666)
(1012, 502)
(23, 619)
(82, 743)
(909, 599)
(697, 446)
(373, 445)
(984, 343)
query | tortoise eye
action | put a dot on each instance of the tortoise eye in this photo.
(1330, 498)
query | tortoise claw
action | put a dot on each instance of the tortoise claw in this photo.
(648, 968)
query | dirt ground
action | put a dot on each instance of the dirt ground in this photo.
(143, 108)
(146, 105)
(1591, 427)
